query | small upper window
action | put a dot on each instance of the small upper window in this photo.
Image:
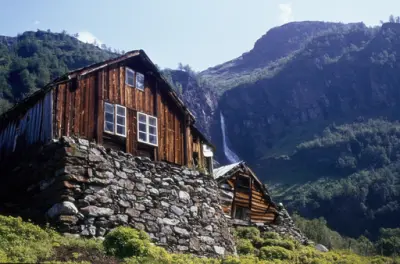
(115, 119)
(140, 81)
(129, 77)
(243, 184)
(134, 79)
(147, 129)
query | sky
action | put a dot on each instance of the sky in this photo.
(201, 33)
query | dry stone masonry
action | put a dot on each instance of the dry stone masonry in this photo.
(82, 188)
(285, 227)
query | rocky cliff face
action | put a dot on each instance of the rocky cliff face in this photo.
(200, 99)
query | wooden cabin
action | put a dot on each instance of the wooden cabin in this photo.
(122, 103)
(243, 197)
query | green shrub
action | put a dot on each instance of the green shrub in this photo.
(23, 241)
(126, 242)
(83, 243)
(279, 243)
(247, 232)
(190, 259)
(258, 242)
(3, 257)
(273, 253)
(248, 259)
(244, 247)
(270, 235)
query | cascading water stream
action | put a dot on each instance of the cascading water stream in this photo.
(229, 154)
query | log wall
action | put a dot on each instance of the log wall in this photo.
(252, 199)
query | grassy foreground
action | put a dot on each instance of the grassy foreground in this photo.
(23, 242)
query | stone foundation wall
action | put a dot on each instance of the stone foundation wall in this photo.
(286, 227)
(82, 188)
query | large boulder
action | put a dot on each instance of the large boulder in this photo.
(321, 248)
(64, 208)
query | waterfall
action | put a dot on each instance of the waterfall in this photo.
(229, 154)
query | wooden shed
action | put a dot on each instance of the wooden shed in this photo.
(243, 197)
(123, 103)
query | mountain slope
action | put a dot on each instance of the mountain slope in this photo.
(337, 80)
(269, 53)
(30, 60)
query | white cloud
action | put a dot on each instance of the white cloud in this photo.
(286, 13)
(88, 37)
(36, 22)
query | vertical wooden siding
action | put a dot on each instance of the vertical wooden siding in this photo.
(78, 108)
(75, 107)
(32, 127)
(170, 131)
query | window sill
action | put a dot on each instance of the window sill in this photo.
(114, 134)
(147, 143)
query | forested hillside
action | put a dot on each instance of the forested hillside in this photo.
(350, 175)
(30, 60)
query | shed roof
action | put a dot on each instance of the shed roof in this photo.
(222, 171)
(228, 171)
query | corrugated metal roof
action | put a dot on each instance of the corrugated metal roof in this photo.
(221, 171)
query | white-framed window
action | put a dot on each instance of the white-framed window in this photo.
(129, 77)
(109, 115)
(134, 79)
(115, 119)
(139, 81)
(120, 125)
(147, 129)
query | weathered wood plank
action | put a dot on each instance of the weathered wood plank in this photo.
(134, 137)
(92, 107)
(242, 195)
(100, 108)
(77, 113)
(86, 108)
(60, 108)
(67, 107)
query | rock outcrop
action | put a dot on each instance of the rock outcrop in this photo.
(285, 227)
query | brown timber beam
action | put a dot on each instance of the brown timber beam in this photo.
(185, 140)
(155, 96)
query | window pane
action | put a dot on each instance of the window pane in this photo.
(152, 121)
(120, 130)
(109, 117)
(142, 118)
(129, 77)
(142, 136)
(142, 127)
(109, 127)
(153, 139)
(139, 81)
(109, 108)
(152, 130)
(121, 120)
(120, 111)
